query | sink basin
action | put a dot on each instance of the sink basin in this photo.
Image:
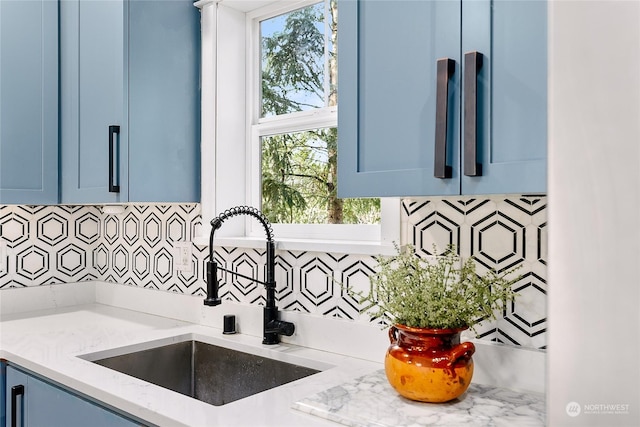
(210, 373)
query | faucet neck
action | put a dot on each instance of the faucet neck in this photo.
(272, 326)
(216, 223)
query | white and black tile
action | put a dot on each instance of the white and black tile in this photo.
(500, 233)
(354, 273)
(87, 228)
(14, 227)
(48, 244)
(56, 244)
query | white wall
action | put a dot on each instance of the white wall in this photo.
(594, 204)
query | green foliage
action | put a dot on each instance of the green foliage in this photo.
(280, 199)
(293, 61)
(445, 294)
(361, 211)
(299, 170)
(294, 177)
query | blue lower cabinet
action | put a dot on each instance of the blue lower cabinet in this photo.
(3, 386)
(31, 401)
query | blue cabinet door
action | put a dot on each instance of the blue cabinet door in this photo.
(3, 387)
(44, 404)
(164, 101)
(388, 86)
(28, 102)
(93, 88)
(134, 64)
(388, 54)
(512, 94)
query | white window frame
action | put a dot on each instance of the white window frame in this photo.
(231, 131)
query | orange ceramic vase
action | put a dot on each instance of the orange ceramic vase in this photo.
(429, 365)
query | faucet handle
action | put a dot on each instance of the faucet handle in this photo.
(281, 327)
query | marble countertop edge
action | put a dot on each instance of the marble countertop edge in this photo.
(369, 400)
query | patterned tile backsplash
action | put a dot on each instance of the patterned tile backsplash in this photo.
(58, 244)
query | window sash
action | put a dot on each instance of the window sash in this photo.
(318, 118)
(229, 167)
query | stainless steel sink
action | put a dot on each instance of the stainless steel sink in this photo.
(212, 374)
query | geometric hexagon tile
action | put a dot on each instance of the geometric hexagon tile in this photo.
(499, 232)
(57, 244)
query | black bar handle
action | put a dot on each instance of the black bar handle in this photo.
(113, 131)
(16, 390)
(472, 65)
(445, 69)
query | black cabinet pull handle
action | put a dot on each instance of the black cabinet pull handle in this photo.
(113, 131)
(472, 65)
(16, 390)
(445, 69)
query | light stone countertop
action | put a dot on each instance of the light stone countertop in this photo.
(54, 338)
(48, 343)
(370, 400)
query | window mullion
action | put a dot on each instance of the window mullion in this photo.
(297, 122)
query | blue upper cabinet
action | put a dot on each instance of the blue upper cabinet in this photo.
(28, 102)
(92, 98)
(511, 95)
(130, 101)
(441, 98)
(387, 53)
(164, 101)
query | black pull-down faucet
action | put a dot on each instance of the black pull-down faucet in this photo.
(272, 326)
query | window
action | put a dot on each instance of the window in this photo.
(298, 62)
(270, 124)
(296, 55)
